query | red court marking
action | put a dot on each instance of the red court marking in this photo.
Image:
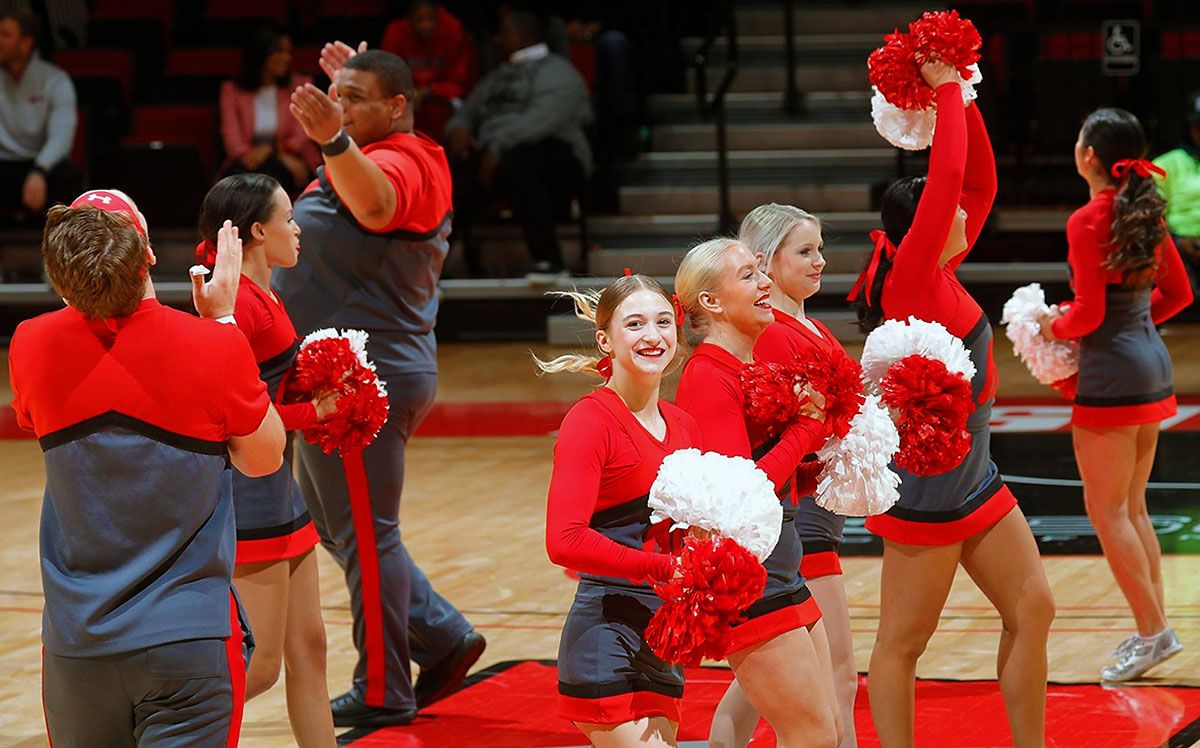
(540, 418)
(516, 708)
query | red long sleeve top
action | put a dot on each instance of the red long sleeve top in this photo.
(782, 343)
(265, 323)
(962, 172)
(605, 457)
(1089, 236)
(710, 389)
(444, 64)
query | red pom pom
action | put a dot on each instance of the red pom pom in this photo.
(894, 71)
(330, 364)
(717, 580)
(934, 405)
(946, 36)
(1066, 387)
(895, 68)
(839, 379)
(771, 401)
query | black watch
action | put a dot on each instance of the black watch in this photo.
(337, 145)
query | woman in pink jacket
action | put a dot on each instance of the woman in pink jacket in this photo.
(259, 133)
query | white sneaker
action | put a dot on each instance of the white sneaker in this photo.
(1142, 655)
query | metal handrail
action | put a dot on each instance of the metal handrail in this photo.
(713, 107)
(791, 94)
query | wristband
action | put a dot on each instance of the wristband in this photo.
(228, 319)
(337, 145)
(35, 169)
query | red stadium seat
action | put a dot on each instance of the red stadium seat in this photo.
(195, 75)
(275, 10)
(161, 11)
(583, 57)
(114, 65)
(187, 125)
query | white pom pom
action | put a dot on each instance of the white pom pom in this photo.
(358, 343)
(968, 86)
(912, 129)
(856, 480)
(896, 339)
(725, 495)
(1048, 361)
(315, 335)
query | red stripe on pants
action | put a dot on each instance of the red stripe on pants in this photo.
(237, 672)
(45, 716)
(368, 576)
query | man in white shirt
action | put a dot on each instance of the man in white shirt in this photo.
(37, 121)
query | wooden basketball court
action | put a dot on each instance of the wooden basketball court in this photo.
(473, 515)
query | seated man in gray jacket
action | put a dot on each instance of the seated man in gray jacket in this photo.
(519, 138)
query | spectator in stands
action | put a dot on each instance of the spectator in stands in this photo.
(258, 131)
(439, 53)
(37, 121)
(1181, 189)
(519, 137)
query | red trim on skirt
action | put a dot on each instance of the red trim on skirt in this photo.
(293, 544)
(823, 564)
(944, 533)
(1123, 415)
(614, 710)
(767, 627)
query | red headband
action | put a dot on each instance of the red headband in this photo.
(679, 311)
(111, 202)
(866, 279)
(1139, 166)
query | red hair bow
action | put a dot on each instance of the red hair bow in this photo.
(1139, 166)
(866, 279)
(604, 366)
(206, 254)
(679, 311)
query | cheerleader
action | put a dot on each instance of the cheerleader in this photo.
(276, 569)
(788, 242)
(1119, 251)
(779, 654)
(966, 516)
(608, 451)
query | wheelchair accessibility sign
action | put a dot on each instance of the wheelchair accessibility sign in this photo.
(1122, 48)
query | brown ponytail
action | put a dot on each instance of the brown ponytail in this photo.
(1137, 227)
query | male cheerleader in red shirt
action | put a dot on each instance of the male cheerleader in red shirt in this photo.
(138, 409)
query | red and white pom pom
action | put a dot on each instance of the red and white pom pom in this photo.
(856, 479)
(1051, 362)
(728, 496)
(332, 361)
(838, 378)
(719, 577)
(902, 104)
(912, 129)
(717, 580)
(923, 375)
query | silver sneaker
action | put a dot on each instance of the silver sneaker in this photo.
(1142, 655)
(1126, 645)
